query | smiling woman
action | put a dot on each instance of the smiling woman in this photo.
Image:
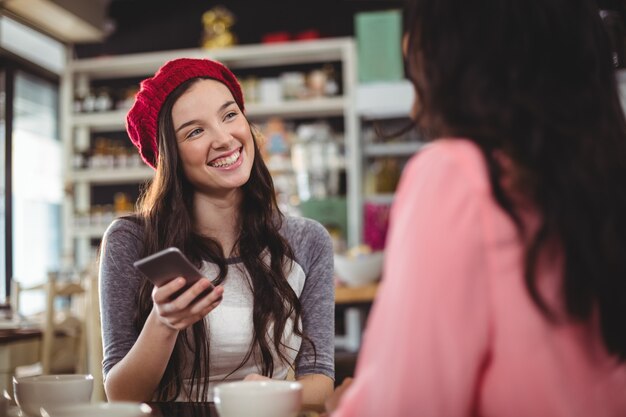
(270, 306)
(215, 143)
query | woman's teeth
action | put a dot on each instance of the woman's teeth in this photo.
(227, 161)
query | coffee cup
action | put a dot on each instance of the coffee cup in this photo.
(35, 392)
(267, 398)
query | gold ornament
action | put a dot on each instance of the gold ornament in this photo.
(217, 23)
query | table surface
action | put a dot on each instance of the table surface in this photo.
(12, 335)
(177, 409)
(355, 295)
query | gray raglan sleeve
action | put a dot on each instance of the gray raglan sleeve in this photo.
(314, 251)
(118, 285)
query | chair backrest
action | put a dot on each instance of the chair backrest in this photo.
(17, 291)
(73, 325)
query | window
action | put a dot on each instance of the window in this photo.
(31, 187)
(36, 184)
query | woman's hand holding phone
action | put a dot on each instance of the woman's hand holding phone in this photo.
(187, 308)
(182, 295)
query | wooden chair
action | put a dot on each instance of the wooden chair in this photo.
(63, 347)
(64, 340)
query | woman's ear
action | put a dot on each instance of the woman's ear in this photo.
(405, 44)
(405, 51)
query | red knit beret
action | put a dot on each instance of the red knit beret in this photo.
(142, 118)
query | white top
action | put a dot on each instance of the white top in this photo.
(231, 328)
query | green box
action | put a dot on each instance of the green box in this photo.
(331, 212)
(379, 49)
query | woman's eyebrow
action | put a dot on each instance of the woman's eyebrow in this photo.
(190, 122)
(228, 103)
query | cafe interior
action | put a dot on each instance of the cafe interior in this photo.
(323, 82)
(318, 85)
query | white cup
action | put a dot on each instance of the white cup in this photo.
(35, 392)
(270, 398)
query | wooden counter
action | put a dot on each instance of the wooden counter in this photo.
(355, 295)
(353, 302)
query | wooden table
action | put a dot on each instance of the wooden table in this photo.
(353, 300)
(355, 295)
(18, 347)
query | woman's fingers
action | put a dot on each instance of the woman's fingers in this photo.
(255, 377)
(197, 311)
(190, 306)
(163, 293)
(207, 303)
(185, 299)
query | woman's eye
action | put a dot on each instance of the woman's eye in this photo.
(193, 133)
(230, 115)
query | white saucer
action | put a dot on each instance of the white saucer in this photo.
(112, 409)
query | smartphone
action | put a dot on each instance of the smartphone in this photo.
(165, 265)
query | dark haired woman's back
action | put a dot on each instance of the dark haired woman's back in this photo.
(504, 290)
(454, 331)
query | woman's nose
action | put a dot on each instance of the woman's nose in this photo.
(221, 139)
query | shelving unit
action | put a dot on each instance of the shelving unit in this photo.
(380, 102)
(77, 128)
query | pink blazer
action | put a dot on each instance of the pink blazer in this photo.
(453, 331)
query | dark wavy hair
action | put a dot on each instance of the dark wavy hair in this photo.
(165, 210)
(534, 79)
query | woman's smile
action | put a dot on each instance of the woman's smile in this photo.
(229, 161)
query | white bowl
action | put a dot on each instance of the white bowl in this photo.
(35, 392)
(269, 398)
(362, 270)
(102, 409)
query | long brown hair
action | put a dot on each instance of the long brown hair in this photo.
(165, 210)
(534, 79)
